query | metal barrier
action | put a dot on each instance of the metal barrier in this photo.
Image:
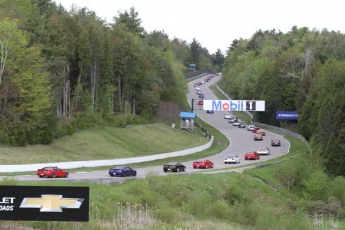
(197, 73)
(284, 131)
(229, 98)
(205, 131)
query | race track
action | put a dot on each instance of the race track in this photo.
(242, 141)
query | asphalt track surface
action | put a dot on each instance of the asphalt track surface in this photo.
(241, 141)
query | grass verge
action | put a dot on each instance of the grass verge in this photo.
(220, 143)
(105, 143)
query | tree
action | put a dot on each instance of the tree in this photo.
(12, 40)
(219, 60)
(131, 21)
(196, 50)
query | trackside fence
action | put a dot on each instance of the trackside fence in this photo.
(205, 131)
(279, 129)
(197, 73)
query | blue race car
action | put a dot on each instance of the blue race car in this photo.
(122, 171)
(210, 111)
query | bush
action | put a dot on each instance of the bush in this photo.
(219, 209)
(316, 186)
(292, 173)
(338, 189)
(120, 121)
(198, 204)
(167, 215)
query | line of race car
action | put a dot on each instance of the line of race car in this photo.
(124, 170)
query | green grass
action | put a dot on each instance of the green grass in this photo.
(105, 143)
(220, 143)
(255, 199)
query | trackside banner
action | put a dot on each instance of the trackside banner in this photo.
(234, 105)
(286, 115)
(44, 203)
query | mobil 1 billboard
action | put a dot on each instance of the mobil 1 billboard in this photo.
(44, 203)
(234, 105)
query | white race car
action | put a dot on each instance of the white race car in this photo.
(236, 123)
(232, 158)
(250, 127)
(264, 151)
(227, 116)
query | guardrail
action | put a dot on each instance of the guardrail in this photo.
(97, 163)
(197, 73)
(284, 131)
(228, 97)
(205, 131)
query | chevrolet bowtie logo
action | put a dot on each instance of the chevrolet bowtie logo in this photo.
(51, 203)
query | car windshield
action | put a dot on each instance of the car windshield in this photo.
(262, 148)
(48, 168)
(119, 167)
(231, 156)
(172, 163)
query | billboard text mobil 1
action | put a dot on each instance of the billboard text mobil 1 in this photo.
(234, 105)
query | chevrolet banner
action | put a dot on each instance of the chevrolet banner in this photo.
(44, 203)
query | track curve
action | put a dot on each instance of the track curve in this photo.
(241, 141)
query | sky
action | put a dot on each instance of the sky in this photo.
(216, 23)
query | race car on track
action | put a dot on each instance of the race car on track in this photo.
(51, 172)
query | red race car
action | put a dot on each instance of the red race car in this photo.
(252, 156)
(51, 172)
(201, 102)
(202, 164)
(255, 129)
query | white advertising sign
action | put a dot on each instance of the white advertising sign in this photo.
(234, 105)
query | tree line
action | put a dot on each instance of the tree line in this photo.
(63, 70)
(302, 70)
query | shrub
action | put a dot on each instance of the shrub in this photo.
(292, 173)
(167, 215)
(198, 204)
(338, 189)
(120, 121)
(316, 186)
(219, 209)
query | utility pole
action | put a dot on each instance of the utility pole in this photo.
(192, 106)
(275, 111)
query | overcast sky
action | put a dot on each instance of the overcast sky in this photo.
(216, 23)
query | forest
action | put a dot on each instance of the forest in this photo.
(302, 70)
(65, 70)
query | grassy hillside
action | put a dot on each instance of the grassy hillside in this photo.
(291, 194)
(105, 143)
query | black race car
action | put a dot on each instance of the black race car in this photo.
(174, 167)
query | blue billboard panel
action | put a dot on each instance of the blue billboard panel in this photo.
(286, 115)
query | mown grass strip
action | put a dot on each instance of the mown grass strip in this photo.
(105, 143)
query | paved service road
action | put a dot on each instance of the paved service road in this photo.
(242, 141)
